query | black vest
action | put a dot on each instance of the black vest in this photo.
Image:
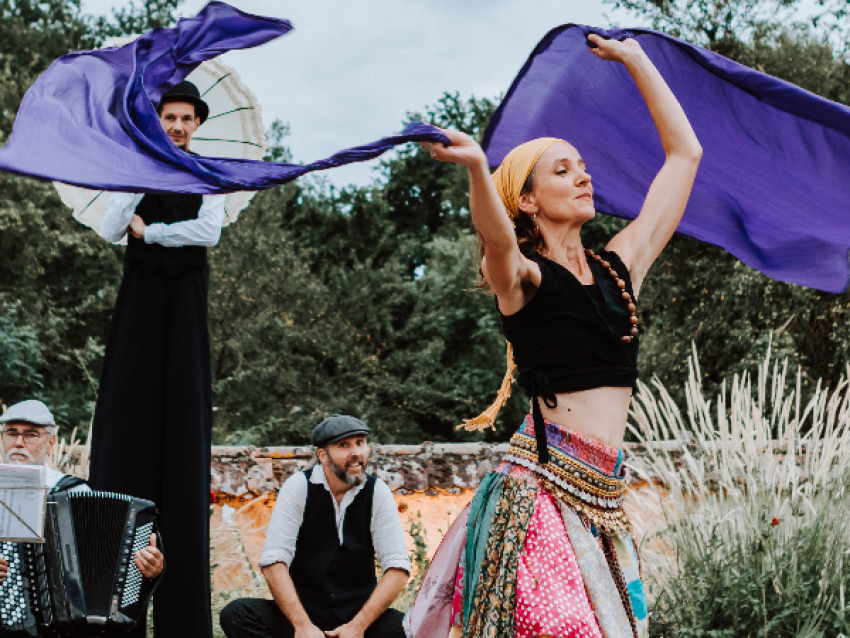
(166, 209)
(331, 578)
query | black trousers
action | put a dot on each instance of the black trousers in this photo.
(152, 431)
(258, 618)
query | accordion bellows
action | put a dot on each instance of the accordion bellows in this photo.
(83, 574)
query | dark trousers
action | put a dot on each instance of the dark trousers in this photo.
(152, 431)
(257, 618)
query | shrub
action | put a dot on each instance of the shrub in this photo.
(755, 540)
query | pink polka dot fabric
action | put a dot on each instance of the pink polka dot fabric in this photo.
(551, 598)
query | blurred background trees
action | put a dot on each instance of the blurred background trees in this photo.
(363, 299)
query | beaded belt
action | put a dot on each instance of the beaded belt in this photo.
(587, 490)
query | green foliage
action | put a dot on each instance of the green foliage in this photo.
(358, 301)
(782, 577)
(419, 562)
(716, 24)
(135, 19)
(309, 319)
(61, 280)
(32, 34)
(747, 522)
(20, 353)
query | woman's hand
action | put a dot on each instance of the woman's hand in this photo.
(463, 150)
(614, 50)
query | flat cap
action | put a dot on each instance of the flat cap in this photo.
(337, 428)
(31, 411)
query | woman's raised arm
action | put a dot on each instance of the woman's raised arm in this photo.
(640, 243)
(504, 266)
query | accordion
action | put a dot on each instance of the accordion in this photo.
(83, 575)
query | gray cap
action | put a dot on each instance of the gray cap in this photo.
(31, 411)
(337, 428)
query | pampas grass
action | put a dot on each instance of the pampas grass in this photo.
(72, 457)
(751, 496)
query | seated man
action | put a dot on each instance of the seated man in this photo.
(329, 523)
(28, 435)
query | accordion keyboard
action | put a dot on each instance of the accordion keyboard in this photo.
(15, 611)
(133, 586)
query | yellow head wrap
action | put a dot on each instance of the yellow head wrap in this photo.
(511, 176)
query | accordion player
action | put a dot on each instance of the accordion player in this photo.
(84, 579)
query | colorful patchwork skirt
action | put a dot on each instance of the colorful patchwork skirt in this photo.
(539, 551)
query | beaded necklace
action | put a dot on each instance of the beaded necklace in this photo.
(624, 293)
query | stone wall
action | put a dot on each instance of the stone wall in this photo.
(248, 472)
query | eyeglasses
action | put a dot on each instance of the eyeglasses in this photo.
(30, 436)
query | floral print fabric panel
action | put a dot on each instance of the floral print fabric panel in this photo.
(494, 600)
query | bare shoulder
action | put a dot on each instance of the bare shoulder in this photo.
(511, 300)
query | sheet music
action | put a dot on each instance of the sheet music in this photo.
(22, 498)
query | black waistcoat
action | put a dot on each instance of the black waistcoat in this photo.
(167, 209)
(331, 578)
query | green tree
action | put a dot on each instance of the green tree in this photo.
(58, 279)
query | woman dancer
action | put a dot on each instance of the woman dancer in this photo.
(544, 548)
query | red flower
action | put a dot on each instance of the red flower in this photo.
(213, 497)
(402, 507)
(775, 521)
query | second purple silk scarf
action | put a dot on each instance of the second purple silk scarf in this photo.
(90, 120)
(773, 187)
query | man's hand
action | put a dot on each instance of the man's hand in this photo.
(4, 570)
(348, 630)
(149, 560)
(308, 631)
(137, 227)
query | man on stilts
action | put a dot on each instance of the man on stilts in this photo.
(152, 424)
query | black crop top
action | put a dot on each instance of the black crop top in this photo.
(564, 340)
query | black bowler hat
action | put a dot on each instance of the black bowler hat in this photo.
(187, 92)
(337, 428)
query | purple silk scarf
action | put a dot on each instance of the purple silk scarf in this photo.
(90, 119)
(773, 187)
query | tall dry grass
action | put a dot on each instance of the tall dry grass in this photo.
(753, 533)
(71, 456)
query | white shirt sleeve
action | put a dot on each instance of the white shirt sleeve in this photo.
(387, 533)
(203, 231)
(120, 208)
(285, 523)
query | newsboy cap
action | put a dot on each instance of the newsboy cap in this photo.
(337, 428)
(30, 411)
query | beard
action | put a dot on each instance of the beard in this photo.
(22, 457)
(342, 472)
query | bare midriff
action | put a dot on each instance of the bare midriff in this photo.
(599, 412)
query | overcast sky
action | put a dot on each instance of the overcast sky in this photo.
(350, 70)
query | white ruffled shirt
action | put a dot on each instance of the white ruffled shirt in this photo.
(387, 533)
(203, 231)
